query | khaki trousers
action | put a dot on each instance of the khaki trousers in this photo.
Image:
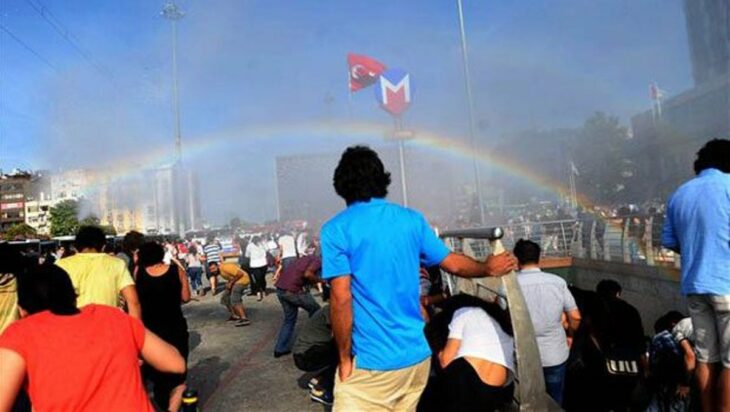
(394, 390)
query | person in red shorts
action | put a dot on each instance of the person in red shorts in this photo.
(76, 359)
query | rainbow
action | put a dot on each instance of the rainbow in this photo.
(343, 133)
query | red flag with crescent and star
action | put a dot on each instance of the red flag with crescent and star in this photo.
(364, 71)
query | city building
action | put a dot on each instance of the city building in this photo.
(708, 30)
(13, 188)
(38, 203)
(38, 214)
(72, 184)
(671, 132)
(163, 200)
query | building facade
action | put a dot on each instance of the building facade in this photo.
(708, 30)
(13, 188)
(672, 132)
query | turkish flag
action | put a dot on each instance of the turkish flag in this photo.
(364, 71)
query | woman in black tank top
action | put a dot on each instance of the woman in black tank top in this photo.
(162, 289)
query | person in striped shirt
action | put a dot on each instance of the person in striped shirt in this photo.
(213, 254)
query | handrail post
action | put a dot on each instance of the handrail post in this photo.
(579, 248)
(648, 234)
(593, 241)
(606, 245)
(531, 388)
(625, 252)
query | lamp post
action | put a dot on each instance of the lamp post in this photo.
(173, 13)
(470, 107)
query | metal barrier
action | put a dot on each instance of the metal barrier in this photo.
(630, 239)
(530, 394)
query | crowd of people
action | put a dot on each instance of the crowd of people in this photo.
(383, 332)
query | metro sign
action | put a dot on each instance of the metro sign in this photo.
(393, 91)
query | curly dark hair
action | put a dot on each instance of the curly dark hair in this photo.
(715, 154)
(90, 237)
(150, 253)
(360, 175)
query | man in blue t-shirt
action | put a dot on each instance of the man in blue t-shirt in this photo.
(371, 254)
(698, 228)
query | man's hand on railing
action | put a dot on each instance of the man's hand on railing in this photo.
(466, 267)
(501, 264)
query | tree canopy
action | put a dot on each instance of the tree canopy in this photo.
(64, 218)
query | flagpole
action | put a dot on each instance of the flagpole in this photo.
(470, 104)
(349, 93)
(398, 123)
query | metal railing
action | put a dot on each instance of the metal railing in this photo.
(530, 394)
(630, 239)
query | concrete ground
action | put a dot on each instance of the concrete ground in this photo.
(233, 368)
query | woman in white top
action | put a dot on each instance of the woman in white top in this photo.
(195, 269)
(258, 262)
(473, 341)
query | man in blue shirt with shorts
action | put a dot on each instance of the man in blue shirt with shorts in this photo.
(698, 227)
(371, 254)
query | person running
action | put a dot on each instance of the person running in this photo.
(371, 254)
(72, 359)
(213, 253)
(162, 289)
(237, 281)
(292, 291)
(288, 249)
(303, 243)
(195, 270)
(130, 244)
(258, 262)
(97, 277)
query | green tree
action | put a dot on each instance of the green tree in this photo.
(92, 220)
(20, 231)
(603, 158)
(64, 218)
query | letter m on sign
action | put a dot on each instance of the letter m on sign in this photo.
(394, 91)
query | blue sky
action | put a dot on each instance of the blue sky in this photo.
(246, 64)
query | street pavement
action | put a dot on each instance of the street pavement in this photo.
(233, 368)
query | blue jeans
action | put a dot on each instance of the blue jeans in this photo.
(195, 274)
(290, 303)
(555, 381)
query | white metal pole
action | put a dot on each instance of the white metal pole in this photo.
(176, 98)
(470, 104)
(402, 158)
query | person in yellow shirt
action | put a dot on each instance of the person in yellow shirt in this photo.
(237, 281)
(12, 264)
(97, 277)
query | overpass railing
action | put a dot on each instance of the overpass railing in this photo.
(630, 239)
(530, 394)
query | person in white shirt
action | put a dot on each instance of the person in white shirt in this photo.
(302, 243)
(475, 348)
(548, 301)
(288, 250)
(258, 263)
